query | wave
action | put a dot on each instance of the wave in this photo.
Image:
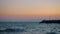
(12, 30)
(29, 28)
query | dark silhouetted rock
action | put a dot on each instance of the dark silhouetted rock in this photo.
(50, 21)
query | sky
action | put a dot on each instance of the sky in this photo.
(29, 10)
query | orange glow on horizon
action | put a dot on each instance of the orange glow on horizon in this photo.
(30, 10)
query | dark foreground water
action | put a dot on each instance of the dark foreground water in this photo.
(29, 28)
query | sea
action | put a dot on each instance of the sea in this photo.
(29, 28)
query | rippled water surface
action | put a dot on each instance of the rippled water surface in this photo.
(30, 28)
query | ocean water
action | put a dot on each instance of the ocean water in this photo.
(30, 28)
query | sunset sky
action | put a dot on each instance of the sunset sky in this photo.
(29, 9)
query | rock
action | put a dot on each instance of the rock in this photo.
(50, 21)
